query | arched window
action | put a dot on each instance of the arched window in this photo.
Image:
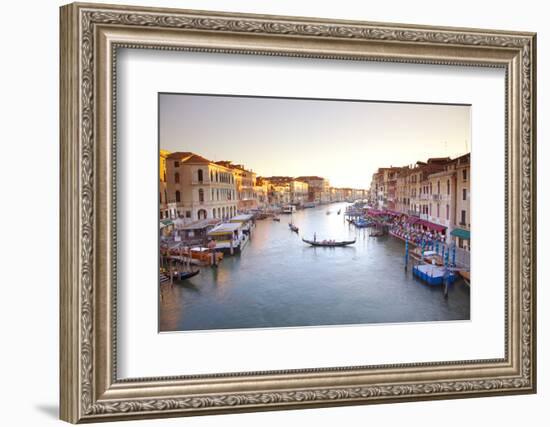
(202, 214)
(177, 177)
(201, 195)
(200, 175)
(178, 196)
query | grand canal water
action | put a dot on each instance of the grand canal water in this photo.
(280, 281)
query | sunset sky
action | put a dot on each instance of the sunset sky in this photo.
(343, 141)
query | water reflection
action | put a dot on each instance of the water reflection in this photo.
(280, 281)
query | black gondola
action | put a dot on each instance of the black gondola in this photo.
(328, 243)
(184, 275)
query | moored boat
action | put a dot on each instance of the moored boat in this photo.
(329, 243)
(433, 274)
(184, 275)
(289, 209)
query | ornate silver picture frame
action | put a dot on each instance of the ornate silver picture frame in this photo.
(91, 390)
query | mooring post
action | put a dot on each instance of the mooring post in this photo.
(406, 253)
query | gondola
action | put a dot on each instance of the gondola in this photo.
(276, 219)
(184, 275)
(328, 243)
(293, 228)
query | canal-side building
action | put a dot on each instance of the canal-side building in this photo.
(377, 189)
(245, 181)
(442, 198)
(167, 209)
(419, 185)
(383, 189)
(318, 188)
(461, 233)
(402, 197)
(279, 193)
(200, 188)
(287, 190)
(336, 194)
(261, 192)
(299, 192)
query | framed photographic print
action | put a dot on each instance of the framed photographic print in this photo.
(265, 212)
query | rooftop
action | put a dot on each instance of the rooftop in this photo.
(224, 228)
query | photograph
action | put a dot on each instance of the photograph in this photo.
(301, 212)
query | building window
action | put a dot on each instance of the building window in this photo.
(164, 176)
(463, 194)
(176, 164)
(464, 174)
(438, 210)
(447, 212)
(438, 188)
(448, 188)
(200, 175)
(177, 177)
(178, 196)
(201, 195)
(165, 197)
(187, 214)
(211, 176)
(462, 217)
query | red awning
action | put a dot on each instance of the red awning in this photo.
(412, 219)
(375, 212)
(431, 225)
